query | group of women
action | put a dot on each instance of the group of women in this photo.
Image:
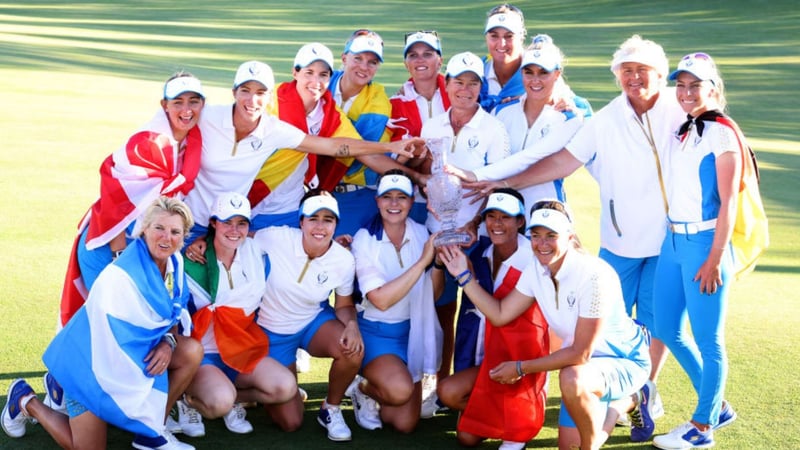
(278, 205)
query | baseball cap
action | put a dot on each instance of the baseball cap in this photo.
(698, 64)
(313, 52)
(548, 57)
(180, 85)
(314, 204)
(395, 182)
(465, 62)
(429, 38)
(509, 20)
(365, 41)
(230, 204)
(551, 219)
(504, 202)
(254, 71)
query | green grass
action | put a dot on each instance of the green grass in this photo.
(76, 78)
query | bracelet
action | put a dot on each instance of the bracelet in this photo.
(169, 338)
(462, 274)
(520, 373)
(466, 280)
(438, 266)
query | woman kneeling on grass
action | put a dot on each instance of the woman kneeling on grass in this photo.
(226, 291)
(112, 356)
(603, 359)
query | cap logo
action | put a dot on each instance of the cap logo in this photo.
(236, 203)
(500, 198)
(545, 214)
(395, 179)
(537, 54)
(467, 61)
(502, 18)
(689, 63)
(314, 51)
(254, 69)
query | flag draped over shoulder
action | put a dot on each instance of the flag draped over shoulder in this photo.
(508, 95)
(150, 164)
(512, 412)
(240, 341)
(406, 121)
(284, 162)
(98, 357)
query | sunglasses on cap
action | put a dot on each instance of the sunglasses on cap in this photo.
(365, 32)
(699, 55)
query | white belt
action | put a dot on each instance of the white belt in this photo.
(346, 187)
(694, 227)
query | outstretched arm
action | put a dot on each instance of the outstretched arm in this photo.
(341, 147)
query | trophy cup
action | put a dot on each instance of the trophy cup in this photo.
(444, 194)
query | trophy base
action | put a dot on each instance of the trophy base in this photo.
(451, 237)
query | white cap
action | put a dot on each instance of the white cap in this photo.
(465, 62)
(698, 64)
(230, 204)
(369, 42)
(548, 57)
(552, 219)
(254, 71)
(638, 50)
(311, 53)
(314, 204)
(504, 202)
(180, 85)
(509, 20)
(395, 182)
(429, 38)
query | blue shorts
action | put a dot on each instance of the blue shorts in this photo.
(283, 347)
(261, 221)
(74, 408)
(214, 359)
(622, 376)
(637, 277)
(382, 338)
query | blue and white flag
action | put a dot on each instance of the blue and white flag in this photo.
(98, 357)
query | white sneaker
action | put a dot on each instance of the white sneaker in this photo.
(172, 426)
(365, 408)
(236, 421)
(164, 442)
(54, 395)
(511, 445)
(302, 361)
(683, 437)
(330, 417)
(429, 397)
(189, 420)
(13, 418)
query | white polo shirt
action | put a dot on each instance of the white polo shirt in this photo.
(483, 140)
(615, 149)
(692, 188)
(240, 287)
(587, 287)
(291, 302)
(377, 263)
(548, 134)
(230, 166)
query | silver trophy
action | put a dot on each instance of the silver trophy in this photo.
(444, 194)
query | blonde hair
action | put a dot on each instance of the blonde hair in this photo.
(171, 206)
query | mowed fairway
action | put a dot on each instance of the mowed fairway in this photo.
(77, 78)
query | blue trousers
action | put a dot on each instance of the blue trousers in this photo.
(677, 298)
